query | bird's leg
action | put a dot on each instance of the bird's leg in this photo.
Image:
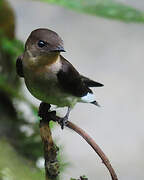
(47, 115)
(63, 121)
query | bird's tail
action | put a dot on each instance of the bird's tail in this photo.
(95, 103)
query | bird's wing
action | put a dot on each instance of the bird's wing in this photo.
(70, 80)
(90, 83)
(19, 66)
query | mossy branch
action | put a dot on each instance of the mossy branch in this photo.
(50, 151)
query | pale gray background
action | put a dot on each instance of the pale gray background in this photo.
(113, 53)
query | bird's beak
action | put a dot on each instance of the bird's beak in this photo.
(58, 49)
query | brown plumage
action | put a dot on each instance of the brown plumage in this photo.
(49, 76)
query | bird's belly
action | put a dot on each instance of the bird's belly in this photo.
(49, 91)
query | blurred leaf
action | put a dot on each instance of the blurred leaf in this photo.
(31, 146)
(9, 89)
(10, 49)
(13, 47)
(15, 167)
(7, 19)
(104, 8)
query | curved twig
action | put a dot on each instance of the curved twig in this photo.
(96, 148)
(51, 115)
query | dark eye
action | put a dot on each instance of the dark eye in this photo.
(41, 44)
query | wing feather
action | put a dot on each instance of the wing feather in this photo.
(19, 66)
(71, 81)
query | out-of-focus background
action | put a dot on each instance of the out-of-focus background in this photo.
(104, 40)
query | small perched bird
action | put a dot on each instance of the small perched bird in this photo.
(49, 76)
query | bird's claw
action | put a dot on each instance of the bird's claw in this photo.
(47, 115)
(63, 122)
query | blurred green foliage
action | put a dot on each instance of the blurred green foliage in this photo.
(15, 167)
(13, 47)
(9, 50)
(104, 8)
(7, 23)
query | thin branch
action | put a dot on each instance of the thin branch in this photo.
(96, 148)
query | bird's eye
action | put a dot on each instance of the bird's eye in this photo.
(41, 44)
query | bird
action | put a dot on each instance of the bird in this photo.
(49, 76)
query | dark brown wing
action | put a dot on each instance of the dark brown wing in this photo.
(19, 66)
(71, 81)
(90, 83)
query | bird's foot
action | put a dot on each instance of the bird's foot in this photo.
(63, 122)
(47, 115)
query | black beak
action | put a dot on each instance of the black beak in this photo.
(58, 49)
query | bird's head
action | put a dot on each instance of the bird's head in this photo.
(44, 43)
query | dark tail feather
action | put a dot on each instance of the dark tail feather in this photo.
(90, 83)
(95, 103)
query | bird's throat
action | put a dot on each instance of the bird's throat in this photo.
(41, 60)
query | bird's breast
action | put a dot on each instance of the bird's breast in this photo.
(44, 85)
